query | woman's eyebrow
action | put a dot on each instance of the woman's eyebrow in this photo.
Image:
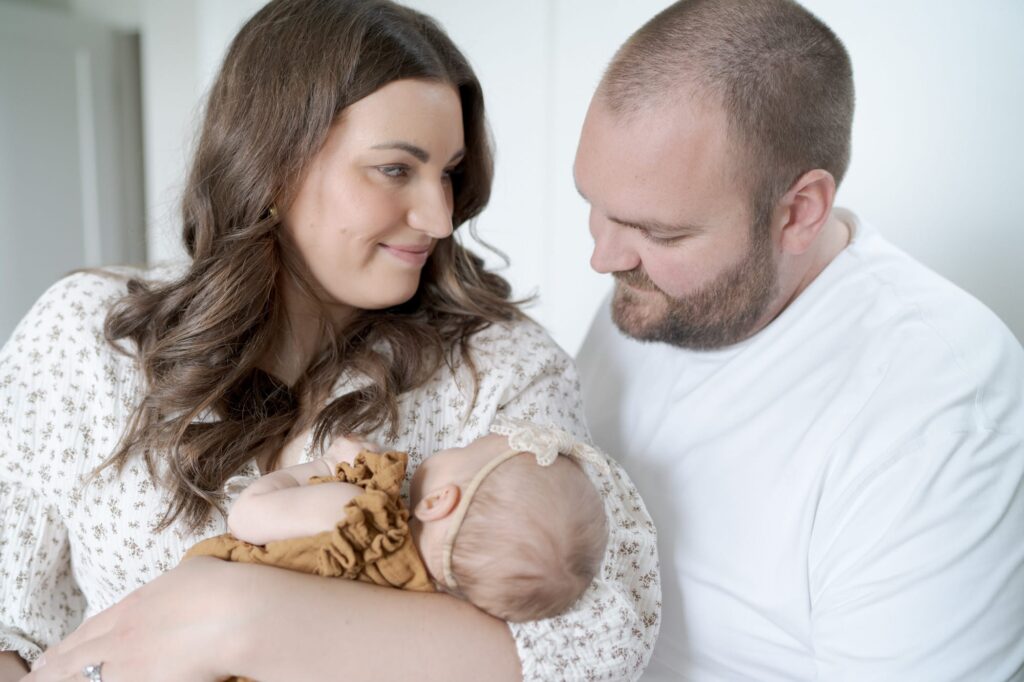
(422, 155)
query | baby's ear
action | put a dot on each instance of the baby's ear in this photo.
(438, 503)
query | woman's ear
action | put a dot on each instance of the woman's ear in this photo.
(438, 503)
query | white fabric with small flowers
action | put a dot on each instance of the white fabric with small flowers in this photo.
(69, 550)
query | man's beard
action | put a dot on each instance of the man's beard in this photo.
(723, 312)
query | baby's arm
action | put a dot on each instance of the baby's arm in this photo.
(281, 504)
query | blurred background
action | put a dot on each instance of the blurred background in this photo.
(100, 101)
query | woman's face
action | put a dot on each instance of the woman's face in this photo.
(378, 195)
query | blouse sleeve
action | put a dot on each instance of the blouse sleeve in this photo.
(39, 601)
(609, 633)
(46, 388)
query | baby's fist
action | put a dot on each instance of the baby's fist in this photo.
(345, 449)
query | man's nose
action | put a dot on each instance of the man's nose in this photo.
(613, 251)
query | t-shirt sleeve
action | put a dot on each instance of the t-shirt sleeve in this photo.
(917, 569)
(609, 633)
(48, 383)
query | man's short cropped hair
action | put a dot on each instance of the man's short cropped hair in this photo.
(782, 76)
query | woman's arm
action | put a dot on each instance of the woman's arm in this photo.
(418, 636)
(12, 667)
(280, 505)
(207, 619)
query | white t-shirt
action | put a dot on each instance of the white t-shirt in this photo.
(839, 497)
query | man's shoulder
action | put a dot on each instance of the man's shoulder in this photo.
(925, 324)
(905, 354)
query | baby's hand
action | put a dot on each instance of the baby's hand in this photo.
(345, 449)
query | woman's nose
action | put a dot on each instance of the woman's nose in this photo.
(431, 211)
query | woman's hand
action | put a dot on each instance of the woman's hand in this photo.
(161, 632)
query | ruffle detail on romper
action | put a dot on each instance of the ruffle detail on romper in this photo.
(371, 542)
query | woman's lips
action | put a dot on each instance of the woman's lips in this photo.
(413, 255)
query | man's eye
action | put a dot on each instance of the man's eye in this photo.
(394, 171)
(655, 239)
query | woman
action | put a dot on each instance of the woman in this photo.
(344, 141)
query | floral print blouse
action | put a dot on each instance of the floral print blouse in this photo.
(70, 547)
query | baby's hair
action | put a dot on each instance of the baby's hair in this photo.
(532, 541)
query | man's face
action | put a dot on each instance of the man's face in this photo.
(673, 225)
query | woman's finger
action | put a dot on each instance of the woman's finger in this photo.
(70, 664)
(157, 633)
(94, 627)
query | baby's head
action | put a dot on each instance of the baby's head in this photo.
(524, 540)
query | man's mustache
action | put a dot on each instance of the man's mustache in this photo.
(636, 278)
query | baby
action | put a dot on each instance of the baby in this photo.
(504, 522)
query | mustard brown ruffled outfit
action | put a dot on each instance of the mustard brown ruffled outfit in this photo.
(371, 542)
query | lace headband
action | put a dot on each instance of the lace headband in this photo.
(546, 444)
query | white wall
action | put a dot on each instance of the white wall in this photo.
(936, 138)
(122, 14)
(70, 151)
(183, 43)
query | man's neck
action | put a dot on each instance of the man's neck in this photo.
(835, 236)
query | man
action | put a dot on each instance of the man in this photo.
(827, 434)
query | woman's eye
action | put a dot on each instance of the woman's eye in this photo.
(394, 171)
(452, 172)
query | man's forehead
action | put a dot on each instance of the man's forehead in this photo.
(652, 154)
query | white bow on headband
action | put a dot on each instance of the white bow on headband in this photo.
(545, 442)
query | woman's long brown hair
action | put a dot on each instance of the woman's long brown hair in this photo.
(208, 408)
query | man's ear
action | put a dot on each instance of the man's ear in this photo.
(805, 209)
(438, 503)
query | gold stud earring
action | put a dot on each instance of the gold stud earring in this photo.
(273, 212)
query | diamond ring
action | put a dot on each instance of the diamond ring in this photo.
(93, 673)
